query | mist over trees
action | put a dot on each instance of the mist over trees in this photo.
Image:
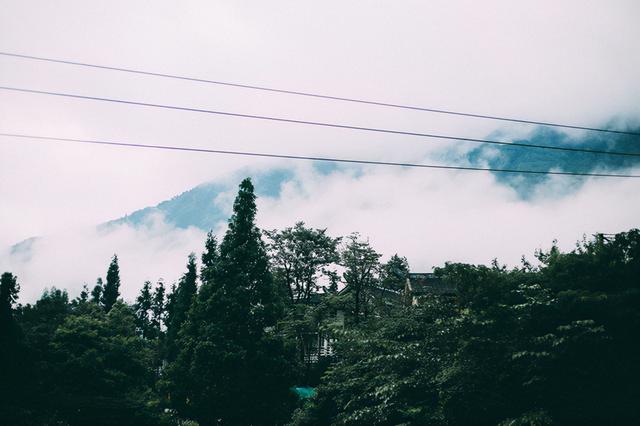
(297, 327)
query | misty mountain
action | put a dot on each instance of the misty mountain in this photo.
(200, 207)
(205, 206)
(517, 158)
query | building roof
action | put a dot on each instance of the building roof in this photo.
(428, 283)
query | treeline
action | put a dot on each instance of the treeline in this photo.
(266, 313)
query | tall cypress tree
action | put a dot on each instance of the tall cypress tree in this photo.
(111, 290)
(242, 275)
(232, 367)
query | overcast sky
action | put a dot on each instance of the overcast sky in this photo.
(570, 61)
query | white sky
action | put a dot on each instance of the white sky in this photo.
(569, 61)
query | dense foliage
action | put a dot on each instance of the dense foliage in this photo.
(270, 313)
(550, 345)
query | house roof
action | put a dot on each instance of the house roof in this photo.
(429, 283)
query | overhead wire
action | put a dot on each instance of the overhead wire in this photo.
(322, 96)
(320, 124)
(311, 158)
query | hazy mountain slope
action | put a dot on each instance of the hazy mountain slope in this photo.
(203, 206)
(207, 205)
(505, 157)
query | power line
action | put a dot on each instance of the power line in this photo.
(310, 158)
(321, 124)
(321, 96)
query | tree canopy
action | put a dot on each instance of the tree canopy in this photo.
(310, 329)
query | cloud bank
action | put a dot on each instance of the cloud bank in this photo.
(428, 217)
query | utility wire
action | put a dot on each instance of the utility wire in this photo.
(321, 96)
(310, 158)
(322, 124)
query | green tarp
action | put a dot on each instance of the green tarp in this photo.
(304, 393)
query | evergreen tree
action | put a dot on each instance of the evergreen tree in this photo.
(181, 303)
(170, 303)
(111, 290)
(96, 293)
(84, 294)
(232, 368)
(243, 274)
(158, 308)
(9, 289)
(142, 310)
(394, 273)
(209, 258)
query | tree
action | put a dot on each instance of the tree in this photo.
(158, 308)
(361, 264)
(242, 271)
(209, 258)
(9, 330)
(102, 369)
(111, 290)
(300, 255)
(232, 367)
(386, 370)
(96, 293)
(9, 289)
(12, 354)
(181, 303)
(142, 310)
(39, 323)
(84, 294)
(394, 273)
(554, 344)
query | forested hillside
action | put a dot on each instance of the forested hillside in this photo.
(294, 326)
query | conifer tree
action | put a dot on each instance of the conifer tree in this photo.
(209, 258)
(232, 367)
(84, 294)
(182, 300)
(111, 289)
(96, 293)
(142, 310)
(158, 308)
(9, 289)
(394, 273)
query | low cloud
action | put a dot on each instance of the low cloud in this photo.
(68, 260)
(429, 216)
(434, 217)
